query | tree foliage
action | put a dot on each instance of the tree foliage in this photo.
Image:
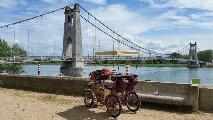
(11, 68)
(18, 51)
(205, 56)
(4, 48)
(175, 55)
(7, 51)
(185, 56)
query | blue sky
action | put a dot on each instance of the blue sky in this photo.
(163, 26)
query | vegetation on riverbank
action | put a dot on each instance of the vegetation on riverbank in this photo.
(10, 51)
(206, 55)
(44, 63)
(131, 64)
(116, 63)
(142, 65)
(11, 68)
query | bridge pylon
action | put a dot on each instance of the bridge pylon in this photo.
(72, 43)
(193, 58)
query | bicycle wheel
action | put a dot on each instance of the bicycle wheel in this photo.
(88, 98)
(133, 102)
(113, 105)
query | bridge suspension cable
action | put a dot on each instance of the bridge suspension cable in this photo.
(149, 51)
(185, 46)
(184, 49)
(14, 25)
(25, 20)
(118, 39)
(106, 33)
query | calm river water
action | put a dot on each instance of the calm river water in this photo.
(161, 74)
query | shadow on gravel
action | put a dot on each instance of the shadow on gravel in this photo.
(167, 108)
(84, 113)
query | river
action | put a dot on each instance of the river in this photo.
(161, 74)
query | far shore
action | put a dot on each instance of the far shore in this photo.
(139, 65)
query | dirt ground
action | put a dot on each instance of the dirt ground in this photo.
(26, 105)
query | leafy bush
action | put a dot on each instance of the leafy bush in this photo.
(11, 68)
(7, 51)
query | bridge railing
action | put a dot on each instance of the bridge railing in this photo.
(86, 58)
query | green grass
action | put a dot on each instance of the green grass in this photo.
(55, 99)
(198, 112)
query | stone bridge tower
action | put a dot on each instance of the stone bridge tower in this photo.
(193, 59)
(72, 43)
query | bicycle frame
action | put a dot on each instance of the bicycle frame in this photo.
(121, 92)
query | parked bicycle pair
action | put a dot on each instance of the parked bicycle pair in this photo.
(112, 90)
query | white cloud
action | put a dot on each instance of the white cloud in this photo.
(8, 3)
(11, 3)
(177, 19)
(198, 4)
(23, 2)
(52, 4)
(50, 1)
(131, 24)
(201, 16)
(51, 30)
(173, 20)
(194, 4)
(158, 44)
(96, 1)
(17, 41)
(119, 18)
(172, 14)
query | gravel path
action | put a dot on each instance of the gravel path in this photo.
(26, 105)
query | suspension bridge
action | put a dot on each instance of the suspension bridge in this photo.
(72, 32)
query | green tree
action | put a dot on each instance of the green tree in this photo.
(18, 51)
(205, 56)
(185, 56)
(5, 50)
(175, 55)
(11, 68)
(149, 62)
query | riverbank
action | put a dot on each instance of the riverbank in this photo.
(210, 65)
(142, 65)
(139, 65)
(18, 104)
